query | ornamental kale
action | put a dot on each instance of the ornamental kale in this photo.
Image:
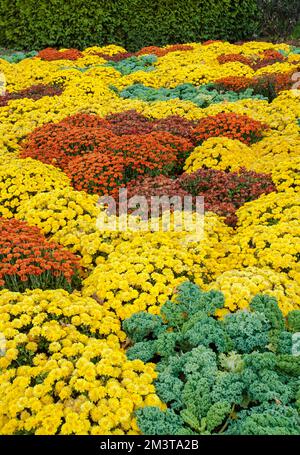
(236, 375)
(133, 64)
(202, 96)
(293, 321)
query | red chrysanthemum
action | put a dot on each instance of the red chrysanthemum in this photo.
(231, 125)
(35, 92)
(228, 58)
(224, 192)
(51, 54)
(168, 190)
(28, 260)
(58, 143)
(233, 83)
(125, 158)
(176, 125)
(129, 122)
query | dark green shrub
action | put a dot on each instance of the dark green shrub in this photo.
(296, 32)
(279, 17)
(130, 23)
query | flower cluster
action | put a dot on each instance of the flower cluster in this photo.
(233, 126)
(82, 237)
(275, 246)
(267, 85)
(142, 273)
(29, 261)
(22, 179)
(233, 83)
(56, 209)
(263, 59)
(270, 209)
(125, 158)
(220, 153)
(115, 57)
(215, 120)
(160, 186)
(270, 84)
(279, 156)
(285, 174)
(58, 143)
(160, 52)
(129, 122)
(51, 54)
(177, 125)
(226, 58)
(225, 192)
(64, 370)
(34, 92)
(240, 286)
(268, 57)
(97, 160)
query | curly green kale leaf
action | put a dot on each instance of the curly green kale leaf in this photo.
(268, 386)
(169, 388)
(288, 365)
(281, 342)
(217, 414)
(153, 421)
(266, 420)
(269, 307)
(189, 301)
(228, 387)
(206, 331)
(248, 331)
(142, 325)
(144, 351)
(293, 321)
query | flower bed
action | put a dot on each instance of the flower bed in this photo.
(86, 306)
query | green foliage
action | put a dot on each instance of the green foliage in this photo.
(278, 17)
(248, 331)
(16, 57)
(268, 306)
(238, 375)
(143, 325)
(133, 64)
(293, 320)
(160, 423)
(284, 365)
(296, 32)
(27, 24)
(296, 344)
(202, 96)
(267, 420)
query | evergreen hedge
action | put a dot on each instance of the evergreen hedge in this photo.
(32, 24)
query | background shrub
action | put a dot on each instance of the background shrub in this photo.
(130, 23)
(278, 17)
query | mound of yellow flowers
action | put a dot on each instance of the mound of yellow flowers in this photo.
(64, 370)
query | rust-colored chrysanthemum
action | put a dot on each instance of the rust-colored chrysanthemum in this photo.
(231, 125)
(29, 261)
